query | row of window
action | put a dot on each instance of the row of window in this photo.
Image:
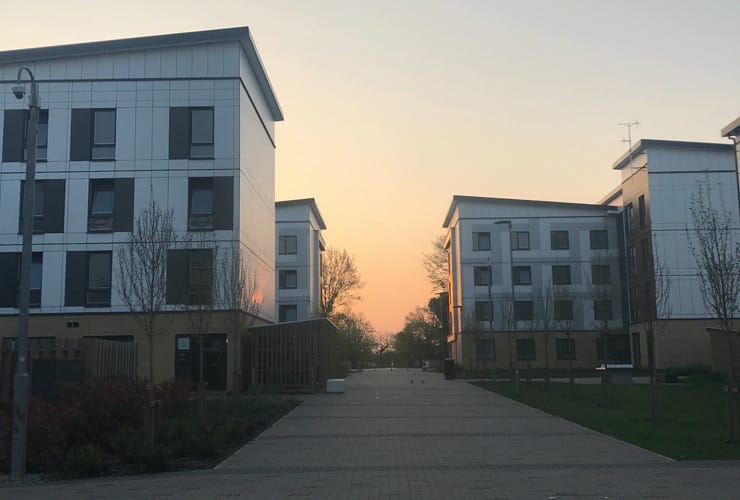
(522, 275)
(630, 215)
(559, 240)
(565, 349)
(645, 257)
(562, 310)
(110, 205)
(93, 134)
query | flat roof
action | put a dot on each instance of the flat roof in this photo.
(310, 202)
(106, 47)
(732, 129)
(640, 146)
(515, 201)
(611, 196)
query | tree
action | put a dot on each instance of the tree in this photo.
(237, 293)
(340, 281)
(565, 322)
(544, 321)
(355, 340)
(714, 245)
(604, 295)
(422, 337)
(436, 264)
(141, 278)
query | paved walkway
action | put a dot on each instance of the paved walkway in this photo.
(407, 434)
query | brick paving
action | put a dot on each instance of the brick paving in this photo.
(408, 434)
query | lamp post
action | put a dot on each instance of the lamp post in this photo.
(20, 383)
(515, 370)
(490, 322)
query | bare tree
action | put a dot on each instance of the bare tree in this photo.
(508, 316)
(714, 245)
(237, 295)
(340, 281)
(657, 312)
(564, 320)
(544, 321)
(436, 265)
(604, 296)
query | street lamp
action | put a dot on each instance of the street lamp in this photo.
(515, 371)
(20, 383)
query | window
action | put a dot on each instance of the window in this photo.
(48, 209)
(288, 244)
(599, 239)
(15, 135)
(200, 196)
(600, 274)
(98, 279)
(603, 310)
(631, 261)
(10, 279)
(287, 312)
(37, 264)
(618, 349)
(191, 133)
(563, 310)
(629, 218)
(100, 215)
(525, 350)
(287, 279)
(645, 255)
(634, 303)
(483, 311)
(566, 348)
(559, 240)
(93, 135)
(561, 275)
(200, 277)
(641, 210)
(481, 275)
(523, 310)
(485, 349)
(522, 275)
(481, 241)
(520, 240)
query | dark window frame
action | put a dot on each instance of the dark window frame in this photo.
(284, 283)
(522, 275)
(104, 291)
(482, 310)
(283, 310)
(485, 349)
(642, 211)
(200, 293)
(482, 276)
(599, 239)
(526, 350)
(559, 307)
(523, 310)
(558, 274)
(210, 143)
(102, 146)
(520, 240)
(559, 240)
(284, 246)
(101, 222)
(565, 349)
(481, 237)
(601, 274)
(602, 306)
(201, 221)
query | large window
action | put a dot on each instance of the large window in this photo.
(191, 133)
(98, 278)
(561, 275)
(10, 278)
(566, 349)
(481, 275)
(200, 214)
(525, 350)
(93, 135)
(485, 349)
(481, 241)
(520, 240)
(287, 244)
(48, 206)
(15, 135)
(190, 276)
(287, 312)
(483, 311)
(600, 274)
(563, 310)
(100, 217)
(522, 275)
(559, 240)
(523, 310)
(603, 310)
(287, 278)
(599, 239)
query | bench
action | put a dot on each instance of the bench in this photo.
(618, 374)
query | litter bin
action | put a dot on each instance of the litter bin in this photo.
(449, 368)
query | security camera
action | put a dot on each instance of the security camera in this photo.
(19, 91)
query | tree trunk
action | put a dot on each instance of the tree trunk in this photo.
(732, 389)
(201, 382)
(151, 417)
(571, 382)
(547, 361)
(653, 379)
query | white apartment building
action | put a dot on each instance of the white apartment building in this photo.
(298, 244)
(659, 178)
(557, 263)
(187, 119)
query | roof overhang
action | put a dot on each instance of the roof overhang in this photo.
(732, 129)
(310, 202)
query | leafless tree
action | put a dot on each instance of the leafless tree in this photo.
(238, 296)
(604, 295)
(508, 317)
(544, 320)
(141, 279)
(714, 244)
(436, 265)
(340, 281)
(565, 323)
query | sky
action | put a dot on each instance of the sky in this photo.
(393, 107)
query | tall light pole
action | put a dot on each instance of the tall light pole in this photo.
(515, 371)
(20, 383)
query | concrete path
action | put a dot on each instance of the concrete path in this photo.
(408, 434)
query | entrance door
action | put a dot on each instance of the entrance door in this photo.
(187, 360)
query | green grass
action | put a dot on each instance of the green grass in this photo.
(691, 424)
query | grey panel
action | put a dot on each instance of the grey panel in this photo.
(14, 131)
(223, 203)
(179, 133)
(177, 276)
(123, 205)
(75, 279)
(8, 279)
(54, 205)
(79, 147)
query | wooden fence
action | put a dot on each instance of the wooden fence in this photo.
(297, 356)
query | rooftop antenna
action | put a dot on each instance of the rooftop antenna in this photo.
(628, 140)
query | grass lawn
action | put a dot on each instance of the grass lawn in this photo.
(692, 417)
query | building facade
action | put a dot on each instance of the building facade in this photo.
(534, 280)
(299, 245)
(186, 119)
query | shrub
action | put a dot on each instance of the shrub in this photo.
(172, 395)
(88, 460)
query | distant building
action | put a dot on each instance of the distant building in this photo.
(558, 264)
(298, 244)
(187, 119)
